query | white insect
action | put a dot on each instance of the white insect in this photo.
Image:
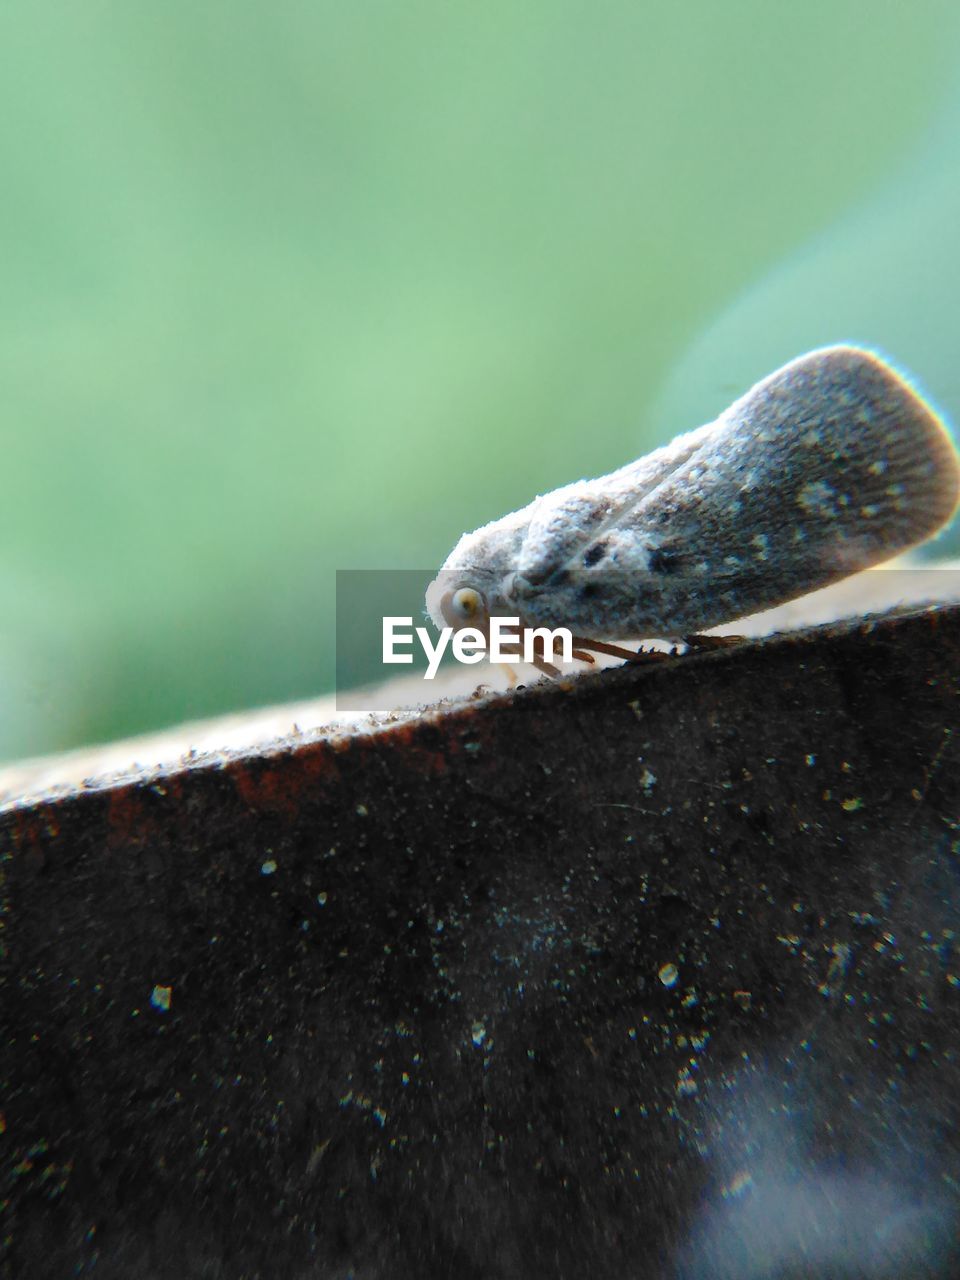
(830, 465)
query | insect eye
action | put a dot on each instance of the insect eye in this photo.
(466, 603)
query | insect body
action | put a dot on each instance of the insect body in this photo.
(830, 465)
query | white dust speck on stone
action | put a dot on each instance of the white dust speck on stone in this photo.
(161, 997)
(686, 1085)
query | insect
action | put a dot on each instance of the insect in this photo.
(830, 465)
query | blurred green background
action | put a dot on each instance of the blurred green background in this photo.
(291, 287)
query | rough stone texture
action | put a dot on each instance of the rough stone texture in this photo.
(652, 974)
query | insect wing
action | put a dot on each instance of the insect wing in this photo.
(566, 527)
(829, 466)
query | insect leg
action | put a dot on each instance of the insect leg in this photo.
(547, 668)
(615, 651)
(583, 657)
(712, 642)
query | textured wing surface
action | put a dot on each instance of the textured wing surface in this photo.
(563, 526)
(829, 466)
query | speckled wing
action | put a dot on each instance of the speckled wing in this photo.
(829, 466)
(520, 560)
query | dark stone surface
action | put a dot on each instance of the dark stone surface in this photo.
(419, 1019)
